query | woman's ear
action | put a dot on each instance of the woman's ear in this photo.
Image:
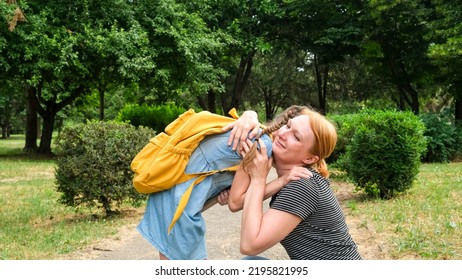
(310, 160)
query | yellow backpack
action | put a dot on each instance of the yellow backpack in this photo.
(161, 164)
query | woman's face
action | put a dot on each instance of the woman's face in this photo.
(293, 142)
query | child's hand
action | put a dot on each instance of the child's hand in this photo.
(296, 173)
(222, 198)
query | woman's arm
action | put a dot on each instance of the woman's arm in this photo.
(236, 194)
(295, 173)
(235, 198)
(260, 231)
(241, 183)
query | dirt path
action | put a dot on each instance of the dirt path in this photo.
(223, 239)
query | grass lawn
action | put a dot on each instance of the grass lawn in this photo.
(33, 224)
(423, 223)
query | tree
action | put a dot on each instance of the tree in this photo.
(445, 50)
(10, 105)
(183, 48)
(279, 80)
(12, 12)
(397, 30)
(243, 27)
(328, 30)
(59, 48)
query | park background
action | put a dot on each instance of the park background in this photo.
(70, 63)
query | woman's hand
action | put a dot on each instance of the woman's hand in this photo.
(261, 164)
(244, 147)
(247, 123)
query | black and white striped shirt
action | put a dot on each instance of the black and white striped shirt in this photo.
(323, 233)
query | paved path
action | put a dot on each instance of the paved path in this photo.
(223, 230)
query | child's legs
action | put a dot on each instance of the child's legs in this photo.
(186, 240)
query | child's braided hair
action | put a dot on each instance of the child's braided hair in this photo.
(282, 119)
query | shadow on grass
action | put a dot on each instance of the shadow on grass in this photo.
(79, 218)
(19, 155)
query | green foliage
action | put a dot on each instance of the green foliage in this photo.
(443, 138)
(382, 155)
(156, 117)
(346, 125)
(446, 36)
(93, 164)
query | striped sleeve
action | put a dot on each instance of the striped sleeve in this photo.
(300, 198)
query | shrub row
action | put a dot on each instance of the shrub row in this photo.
(156, 117)
(379, 150)
(443, 136)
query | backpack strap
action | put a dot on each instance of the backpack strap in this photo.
(185, 197)
(233, 113)
(199, 178)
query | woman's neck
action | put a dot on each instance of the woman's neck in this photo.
(282, 168)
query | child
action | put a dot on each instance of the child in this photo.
(187, 237)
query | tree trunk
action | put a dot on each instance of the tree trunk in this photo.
(318, 75)
(458, 110)
(4, 130)
(323, 99)
(48, 110)
(31, 121)
(47, 133)
(208, 103)
(202, 102)
(401, 99)
(240, 83)
(322, 75)
(5, 122)
(268, 103)
(211, 102)
(414, 101)
(401, 78)
(101, 105)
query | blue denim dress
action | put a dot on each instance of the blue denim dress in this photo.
(186, 240)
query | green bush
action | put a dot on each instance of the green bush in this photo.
(155, 117)
(383, 155)
(93, 163)
(346, 125)
(443, 137)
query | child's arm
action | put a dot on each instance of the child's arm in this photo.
(238, 189)
(241, 184)
(236, 194)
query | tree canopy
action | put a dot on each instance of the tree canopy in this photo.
(216, 55)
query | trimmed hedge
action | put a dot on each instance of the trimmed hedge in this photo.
(93, 163)
(381, 150)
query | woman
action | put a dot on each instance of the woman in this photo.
(304, 216)
(187, 238)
